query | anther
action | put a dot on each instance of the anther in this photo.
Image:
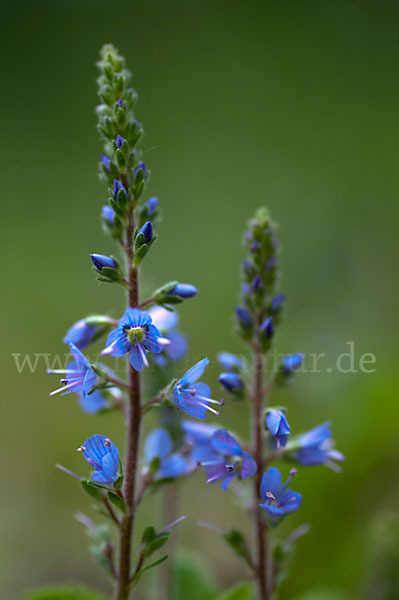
(270, 496)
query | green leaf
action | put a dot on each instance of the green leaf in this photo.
(117, 501)
(91, 489)
(63, 592)
(150, 566)
(155, 544)
(191, 577)
(237, 543)
(243, 591)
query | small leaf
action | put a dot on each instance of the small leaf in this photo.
(90, 488)
(117, 501)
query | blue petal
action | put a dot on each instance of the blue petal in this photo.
(272, 511)
(135, 318)
(248, 466)
(195, 372)
(290, 501)
(92, 403)
(151, 340)
(157, 444)
(80, 334)
(89, 381)
(80, 359)
(163, 319)
(96, 449)
(109, 472)
(177, 347)
(135, 358)
(227, 481)
(311, 456)
(271, 482)
(121, 343)
(229, 362)
(225, 443)
(202, 389)
(174, 466)
(317, 435)
(198, 432)
(273, 421)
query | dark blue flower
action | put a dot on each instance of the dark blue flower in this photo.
(267, 328)
(119, 140)
(257, 283)
(141, 166)
(80, 334)
(103, 455)
(192, 397)
(147, 232)
(158, 444)
(292, 362)
(316, 448)
(135, 334)
(80, 375)
(231, 381)
(118, 185)
(230, 362)
(183, 290)
(152, 206)
(100, 261)
(243, 316)
(109, 214)
(277, 302)
(278, 499)
(278, 427)
(227, 460)
(105, 160)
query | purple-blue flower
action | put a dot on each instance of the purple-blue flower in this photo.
(152, 206)
(227, 460)
(278, 427)
(231, 381)
(183, 290)
(192, 396)
(119, 140)
(136, 335)
(92, 403)
(109, 214)
(105, 160)
(158, 444)
(277, 302)
(100, 261)
(80, 334)
(243, 316)
(230, 362)
(267, 328)
(278, 499)
(316, 448)
(141, 166)
(147, 232)
(198, 435)
(118, 185)
(102, 454)
(292, 362)
(256, 283)
(80, 376)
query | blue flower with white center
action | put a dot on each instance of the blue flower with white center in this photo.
(136, 335)
(109, 214)
(102, 454)
(80, 376)
(152, 206)
(147, 232)
(158, 444)
(166, 321)
(192, 396)
(278, 427)
(278, 499)
(183, 290)
(230, 362)
(100, 261)
(81, 334)
(231, 382)
(316, 447)
(292, 362)
(227, 460)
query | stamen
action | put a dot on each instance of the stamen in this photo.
(209, 463)
(109, 348)
(210, 400)
(270, 496)
(66, 387)
(215, 412)
(61, 371)
(143, 354)
(107, 442)
(214, 478)
(163, 341)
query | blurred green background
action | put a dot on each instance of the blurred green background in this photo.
(289, 104)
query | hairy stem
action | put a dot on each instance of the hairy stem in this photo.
(257, 443)
(133, 436)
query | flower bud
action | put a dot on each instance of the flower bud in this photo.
(147, 232)
(105, 160)
(267, 328)
(183, 290)
(277, 425)
(119, 140)
(118, 186)
(292, 362)
(100, 261)
(108, 214)
(244, 318)
(152, 206)
(231, 381)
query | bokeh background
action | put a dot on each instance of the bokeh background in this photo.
(291, 104)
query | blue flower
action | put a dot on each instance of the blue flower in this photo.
(277, 302)
(267, 328)
(158, 444)
(105, 160)
(166, 321)
(192, 397)
(135, 334)
(152, 206)
(119, 140)
(243, 316)
(183, 290)
(230, 362)
(316, 448)
(103, 455)
(198, 435)
(147, 232)
(80, 375)
(100, 261)
(257, 283)
(109, 214)
(141, 166)
(278, 427)
(120, 102)
(80, 334)
(118, 185)
(292, 362)
(227, 460)
(231, 381)
(92, 403)
(278, 499)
